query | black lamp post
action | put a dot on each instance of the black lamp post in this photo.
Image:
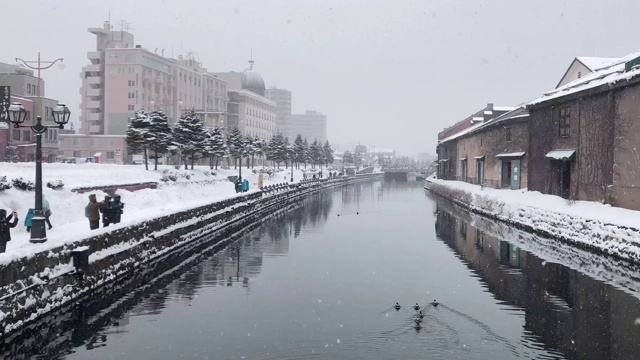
(17, 115)
(290, 155)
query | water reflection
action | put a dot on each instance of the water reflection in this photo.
(564, 309)
(91, 327)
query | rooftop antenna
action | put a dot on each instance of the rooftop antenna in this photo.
(251, 60)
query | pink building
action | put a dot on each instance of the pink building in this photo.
(23, 139)
(108, 149)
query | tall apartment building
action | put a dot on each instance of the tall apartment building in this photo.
(282, 98)
(24, 85)
(248, 109)
(124, 77)
(311, 125)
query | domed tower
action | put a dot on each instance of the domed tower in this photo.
(252, 81)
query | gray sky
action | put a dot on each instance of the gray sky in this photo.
(386, 73)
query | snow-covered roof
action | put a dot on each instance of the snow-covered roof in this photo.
(610, 74)
(379, 151)
(595, 63)
(479, 157)
(515, 112)
(560, 154)
(504, 108)
(513, 154)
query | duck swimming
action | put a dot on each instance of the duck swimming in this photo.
(417, 320)
(434, 303)
(396, 306)
(420, 315)
(416, 307)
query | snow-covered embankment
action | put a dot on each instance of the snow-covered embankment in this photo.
(589, 225)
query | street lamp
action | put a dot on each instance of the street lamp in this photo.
(290, 155)
(17, 115)
(41, 66)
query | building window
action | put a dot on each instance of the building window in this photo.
(130, 107)
(131, 95)
(93, 142)
(110, 142)
(481, 140)
(579, 74)
(508, 134)
(16, 135)
(77, 154)
(28, 89)
(77, 141)
(564, 125)
(111, 155)
(26, 135)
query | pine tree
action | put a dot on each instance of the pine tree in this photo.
(189, 136)
(347, 158)
(357, 160)
(277, 151)
(298, 150)
(255, 149)
(286, 145)
(214, 146)
(159, 135)
(306, 154)
(316, 153)
(328, 153)
(235, 143)
(137, 135)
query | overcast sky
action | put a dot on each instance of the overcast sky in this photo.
(386, 73)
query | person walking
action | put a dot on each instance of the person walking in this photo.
(5, 228)
(92, 212)
(27, 219)
(46, 211)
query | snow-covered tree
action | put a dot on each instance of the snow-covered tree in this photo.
(306, 155)
(277, 151)
(261, 148)
(317, 156)
(214, 146)
(236, 145)
(159, 135)
(357, 160)
(137, 135)
(298, 150)
(347, 158)
(189, 136)
(12, 152)
(328, 153)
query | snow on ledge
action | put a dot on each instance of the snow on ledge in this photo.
(591, 225)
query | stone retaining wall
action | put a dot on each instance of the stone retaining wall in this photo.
(33, 287)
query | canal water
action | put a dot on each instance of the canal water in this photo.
(319, 282)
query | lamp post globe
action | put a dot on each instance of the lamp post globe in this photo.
(61, 115)
(17, 114)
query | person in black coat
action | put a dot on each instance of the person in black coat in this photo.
(5, 228)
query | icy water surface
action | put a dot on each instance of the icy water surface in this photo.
(321, 281)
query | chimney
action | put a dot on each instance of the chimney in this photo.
(490, 106)
(138, 46)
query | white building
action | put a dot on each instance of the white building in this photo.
(312, 125)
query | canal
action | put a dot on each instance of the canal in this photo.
(319, 282)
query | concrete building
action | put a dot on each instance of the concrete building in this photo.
(282, 98)
(124, 77)
(450, 165)
(311, 125)
(24, 86)
(247, 108)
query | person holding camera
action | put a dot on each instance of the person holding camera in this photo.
(5, 227)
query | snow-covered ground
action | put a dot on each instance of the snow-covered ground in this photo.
(595, 226)
(69, 223)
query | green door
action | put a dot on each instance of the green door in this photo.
(515, 174)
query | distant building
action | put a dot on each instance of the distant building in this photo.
(123, 77)
(24, 87)
(282, 98)
(110, 149)
(311, 125)
(248, 109)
